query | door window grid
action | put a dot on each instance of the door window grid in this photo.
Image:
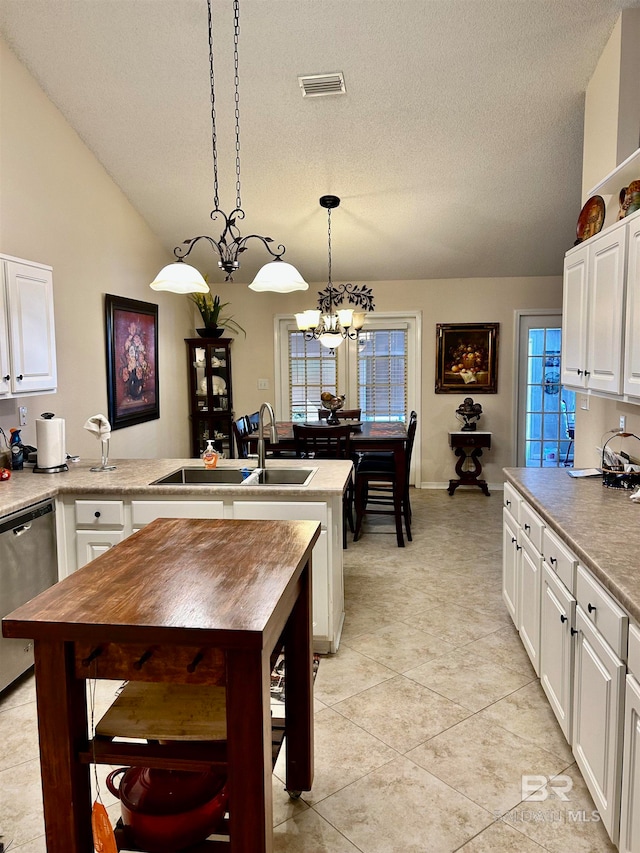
(550, 408)
(312, 370)
(382, 374)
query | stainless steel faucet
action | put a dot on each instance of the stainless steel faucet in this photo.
(273, 434)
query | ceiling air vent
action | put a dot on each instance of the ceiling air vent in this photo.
(315, 85)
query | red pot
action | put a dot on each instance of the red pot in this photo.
(167, 810)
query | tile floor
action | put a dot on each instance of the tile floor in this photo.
(426, 719)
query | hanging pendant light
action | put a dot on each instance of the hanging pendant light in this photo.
(328, 324)
(276, 276)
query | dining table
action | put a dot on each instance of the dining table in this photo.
(184, 601)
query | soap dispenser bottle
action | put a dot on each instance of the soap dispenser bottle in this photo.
(210, 455)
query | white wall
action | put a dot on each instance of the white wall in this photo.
(59, 206)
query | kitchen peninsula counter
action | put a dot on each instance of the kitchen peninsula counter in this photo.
(133, 476)
(600, 525)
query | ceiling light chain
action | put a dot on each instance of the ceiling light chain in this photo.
(324, 324)
(276, 276)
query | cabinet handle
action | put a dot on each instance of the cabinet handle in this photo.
(563, 618)
(513, 539)
(518, 547)
(21, 377)
(587, 373)
(507, 503)
(527, 527)
(579, 372)
(552, 560)
(591, 608)
(7, 377)
(97, 514)
(574, 631)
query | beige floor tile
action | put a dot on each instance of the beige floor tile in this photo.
(18, 735)
(19, 693)
(400, 646)
(402, 808)
(504, 647)
(362, 619)
(21, 796)
(485, 762)
(457, 625)
(500, 838)
(284, 807)
(401, 712)
(527, 713)
(38, 845)
(308, 832)
(561, 826)
(347, 673)
(468, 679)
(344, 752)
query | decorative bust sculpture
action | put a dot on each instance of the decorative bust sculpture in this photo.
(468, 412)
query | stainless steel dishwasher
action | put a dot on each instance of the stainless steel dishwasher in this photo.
(27, 566)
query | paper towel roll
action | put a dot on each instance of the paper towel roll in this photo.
(50, 442)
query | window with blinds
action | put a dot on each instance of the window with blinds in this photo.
(312, 370)
(382, 374)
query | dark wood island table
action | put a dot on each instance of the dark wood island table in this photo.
(187, 601)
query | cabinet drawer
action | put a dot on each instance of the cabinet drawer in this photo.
(281, 510)
(633, 661)
(603, 612)
(100, 513)
(511, 500)
(532, 525)
(559, 558)
(144, 512)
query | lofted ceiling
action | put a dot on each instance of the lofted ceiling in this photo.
(456, 149)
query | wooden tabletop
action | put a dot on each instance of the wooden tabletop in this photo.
(383, 431)
(175, 580)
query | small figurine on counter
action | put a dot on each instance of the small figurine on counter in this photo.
(469, 412)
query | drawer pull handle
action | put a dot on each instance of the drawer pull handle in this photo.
(552, 560)
(591, 607)
(574, 631)
(563, 618)
(97, 513)
(527, 527)
(518, 547)
(513, 539)
(145, 657)
(507, 503)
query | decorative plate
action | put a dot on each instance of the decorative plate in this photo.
(591, 219)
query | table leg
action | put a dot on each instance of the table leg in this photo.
(249, 751)
(298, 655)
(62, 726)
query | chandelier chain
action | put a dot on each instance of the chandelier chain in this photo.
(329, 245)
(236, 35)
(214, 137)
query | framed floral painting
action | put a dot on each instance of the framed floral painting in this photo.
(467, 358)
(132, 369)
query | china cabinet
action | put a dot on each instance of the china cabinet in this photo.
(210, 394)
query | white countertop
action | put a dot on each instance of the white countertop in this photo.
(133, 477)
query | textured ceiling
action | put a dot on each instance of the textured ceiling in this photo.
(456, 150)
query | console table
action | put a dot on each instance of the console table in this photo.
(189, 601)
(468, 445)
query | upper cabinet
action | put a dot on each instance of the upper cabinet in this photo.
(601, 300)
(27, 331)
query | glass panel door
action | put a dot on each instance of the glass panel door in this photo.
(546, 410)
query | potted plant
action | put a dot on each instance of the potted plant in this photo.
(215, 321)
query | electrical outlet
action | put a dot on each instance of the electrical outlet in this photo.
(623, 423)
(263, 384)
(23, 415)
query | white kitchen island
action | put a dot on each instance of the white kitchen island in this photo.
(98, 510)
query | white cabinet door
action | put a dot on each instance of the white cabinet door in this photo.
(91, 543)
(557, 619)
(630, 814)
(632, 336)
(31, 327)
(574, 318)
(606, 276)
(510, 559)
(5, 368)
(530, 585)
(598, 697)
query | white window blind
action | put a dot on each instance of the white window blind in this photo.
(312, 370)
(382, 374)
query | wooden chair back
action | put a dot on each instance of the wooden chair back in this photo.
(322, 442)
(343, 414)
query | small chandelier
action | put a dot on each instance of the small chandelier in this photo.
(277, 275)
(328, 324)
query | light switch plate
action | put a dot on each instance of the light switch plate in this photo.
(23, 415)
(263, 384)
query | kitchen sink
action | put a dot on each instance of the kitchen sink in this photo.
(237, 476)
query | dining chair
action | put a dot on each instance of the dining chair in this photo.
(377, 486)
(241, 430)
(328, 442)
(343, 414)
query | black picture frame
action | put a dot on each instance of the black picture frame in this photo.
(132, 367)
(467, 358)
